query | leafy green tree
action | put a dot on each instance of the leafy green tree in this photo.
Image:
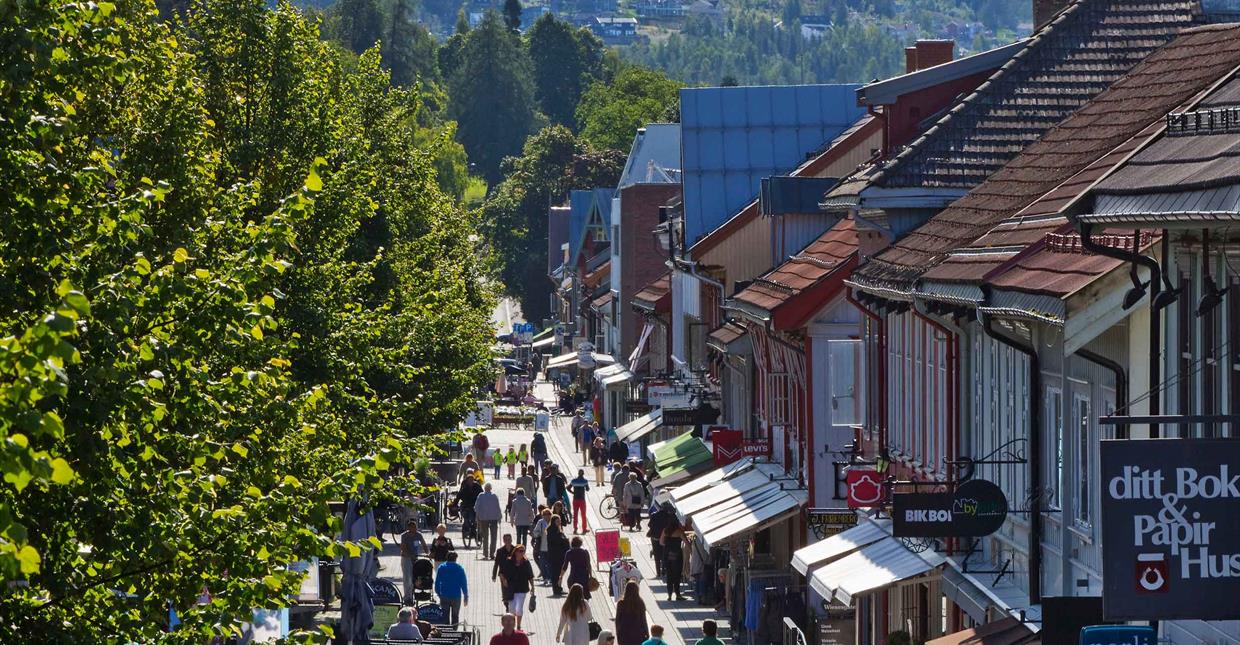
(462, 23)
(565, 61)
(234, 294)
(514, 216)
(491, 96)
(409, 49)
(610, 113)
(359, 22)
(512, 14)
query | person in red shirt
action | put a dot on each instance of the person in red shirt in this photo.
(510, 635)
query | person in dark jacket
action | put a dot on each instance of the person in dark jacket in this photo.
(555, 486)
(618, 451)
(659, 521)
(631, 625)
(557, 549)
(673, 558)
(577, 566)
(538, 450)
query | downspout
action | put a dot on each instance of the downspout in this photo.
(1155, 288)
(881, 364)
(1035, 450)
(953, 370)
(1121, 383)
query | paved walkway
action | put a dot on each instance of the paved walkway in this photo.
(681, 620)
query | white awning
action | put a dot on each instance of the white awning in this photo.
(570, 359)
(733, 487)
(543, 342)
(883, 563)
(756, 515)
(603, 372)
(641, 426)
(612, 375)
(641, 344)
(711, 478)
(836, 546)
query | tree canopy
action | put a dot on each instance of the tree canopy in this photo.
(565, 61)
(610, 113)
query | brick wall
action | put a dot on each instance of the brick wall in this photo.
(641, 259)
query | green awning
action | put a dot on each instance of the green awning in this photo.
(544, 333)
(681, 458)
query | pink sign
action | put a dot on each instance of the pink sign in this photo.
(607, 545)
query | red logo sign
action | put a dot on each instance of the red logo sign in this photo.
(1152, 573)
(865, 488)
(727, 444)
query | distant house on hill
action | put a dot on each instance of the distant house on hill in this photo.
(708, 9)
(614, 30)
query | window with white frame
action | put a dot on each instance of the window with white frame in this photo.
(779, 401)
(1054, 448)
(1083, 475)
(847, 381)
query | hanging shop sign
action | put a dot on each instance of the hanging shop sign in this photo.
(726, 444)
(1119, 635)
(669, 397)
(865, 488)
(825, 522)
(838, 625)
(634, 406)
(1170, 530)
(975, 509)
(702, 415)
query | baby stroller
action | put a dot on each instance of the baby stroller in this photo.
(423, 581)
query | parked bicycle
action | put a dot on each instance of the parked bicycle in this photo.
(607, 508)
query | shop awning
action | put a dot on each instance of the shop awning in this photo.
(982, 598)
(698, 484)
(729, 489)
(837, 546)
(543, 342)
(570, 359)
(681, 458)
(760, 510)
(883, 563)
(641, 426)
(1008, 631)
(612, 375)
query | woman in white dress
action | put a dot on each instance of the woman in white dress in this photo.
(575, 618)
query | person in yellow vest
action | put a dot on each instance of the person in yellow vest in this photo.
(510, 459)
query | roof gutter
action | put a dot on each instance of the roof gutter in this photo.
(1035, 451)
(1155, 330)
(1121, 383)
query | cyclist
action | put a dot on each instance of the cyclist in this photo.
(465, 498)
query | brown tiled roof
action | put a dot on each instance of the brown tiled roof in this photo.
(1095, 138)
(725, 335)
(834, 252)
(1069, 61)
(655, 296)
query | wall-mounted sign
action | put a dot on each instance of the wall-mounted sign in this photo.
(633, 406)
(669, 397)
(756, 448)
(702, 415)
(865, 488)
(1118, 635)
(1170, 530)
(726, 443)
(825, 522)
(976, 508)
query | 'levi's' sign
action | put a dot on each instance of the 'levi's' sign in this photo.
(1170, 528)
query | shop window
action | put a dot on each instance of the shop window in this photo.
(1084, 453)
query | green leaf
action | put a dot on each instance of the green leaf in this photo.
(313, 183)
(62, 473)
(29, 560)
(78, 301)
(143, 266)
(180, 255)
(240, 449)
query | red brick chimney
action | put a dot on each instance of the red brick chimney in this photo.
(1044, 10)
(934, 52)
(910, 60)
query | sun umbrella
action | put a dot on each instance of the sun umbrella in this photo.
(356, 599)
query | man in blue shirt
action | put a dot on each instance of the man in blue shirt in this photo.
(452, 587)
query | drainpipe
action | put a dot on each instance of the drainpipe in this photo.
(1155, 288)
(881, 364)
(1035, 451)
(951, 445)
(1121, 383)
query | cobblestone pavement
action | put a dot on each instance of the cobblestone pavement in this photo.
(681, 620)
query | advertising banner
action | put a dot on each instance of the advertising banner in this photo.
(1170, 529)
(977, 508)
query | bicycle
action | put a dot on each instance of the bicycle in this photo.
(607, 508)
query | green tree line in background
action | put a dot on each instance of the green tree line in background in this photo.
(234, 291)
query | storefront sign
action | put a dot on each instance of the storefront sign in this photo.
(825, 522)
(1170, 529)
(865, 488)
(976, 508)
(838, 626)
(1118, 635)
(632, 406)
(702, 415)
(756, 448)
(726, 445)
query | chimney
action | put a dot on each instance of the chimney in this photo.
(934, 52)
(1044, 10)
(910, 60)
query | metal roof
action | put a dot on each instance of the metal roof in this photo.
(732, 137)
(654, 157)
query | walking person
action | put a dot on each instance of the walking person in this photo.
(575, 618)
(577, 564)
(634, 501)
(503, 558)
(496, 457)
(412, 545)
(539, 534)
(441, 545)
(520, 582)
(656, 636)
(631, 623)
(659, 521)
(673, 558)
(528, 483)
(538, 449)
(619, 477)
(510, 460)
(588, 433)
(523, 459)
(579, 486)
(555, 486)
(522, 513)
(618, 452)
(598, 457)
(488, 513)
(557, 548)
(710, 634)
(480, 445)
(452, 587)
(467, 469)
(508, 633)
